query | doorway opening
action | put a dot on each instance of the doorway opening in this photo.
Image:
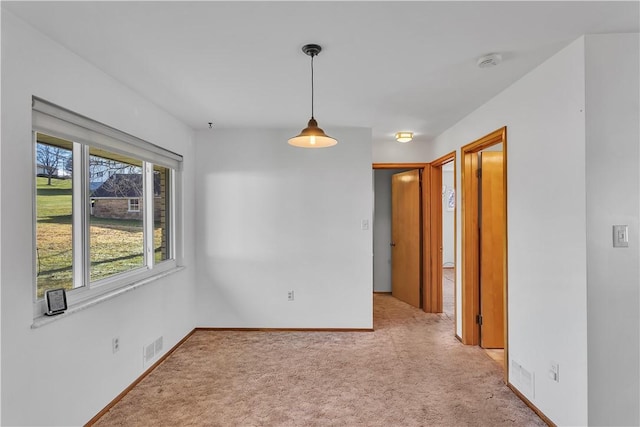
(484, 245)
(412, 246)
(443, 233)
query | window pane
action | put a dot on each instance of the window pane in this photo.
(161, 217)
(134, 205)
(54, 236)
(116, 232)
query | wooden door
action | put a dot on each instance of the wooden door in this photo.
(406, 239)
(492, 234)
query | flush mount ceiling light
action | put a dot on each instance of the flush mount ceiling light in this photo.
(490, 60)
(404, 136)
(312, 136)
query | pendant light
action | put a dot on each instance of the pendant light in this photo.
(312, 136)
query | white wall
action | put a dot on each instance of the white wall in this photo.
(273, 218)
(391, 151)
(544, 115)
(613, 274)
(65, 372)
(0, 256)
(382, 230)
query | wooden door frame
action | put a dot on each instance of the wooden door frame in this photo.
(470, 249)
(435, 225)
(426, 290)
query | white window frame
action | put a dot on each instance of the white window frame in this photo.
(85, 133)
(137, 204)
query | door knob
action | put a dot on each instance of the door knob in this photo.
(392, 244)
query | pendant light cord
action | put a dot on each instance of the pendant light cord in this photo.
(312, 56)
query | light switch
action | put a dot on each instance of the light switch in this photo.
(365, 224)
(620, 236)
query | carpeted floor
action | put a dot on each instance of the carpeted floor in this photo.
(410, 372)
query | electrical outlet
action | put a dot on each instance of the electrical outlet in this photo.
(115, 344)
(290, 296)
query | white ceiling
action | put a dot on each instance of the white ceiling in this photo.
(389, 66)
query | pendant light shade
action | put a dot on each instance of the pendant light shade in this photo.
(312, 136)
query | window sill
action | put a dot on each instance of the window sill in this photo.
(45, 320)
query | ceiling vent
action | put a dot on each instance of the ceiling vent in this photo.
(489, 61)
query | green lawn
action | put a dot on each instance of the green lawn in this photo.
(115, 245)
(53, 237)
(54, 201)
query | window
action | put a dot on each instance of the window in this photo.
(54, 251)
(116, 227)
(105, 206)
(134, 205)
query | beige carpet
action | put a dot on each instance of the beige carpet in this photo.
(410, 372)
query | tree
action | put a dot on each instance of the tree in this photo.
(68, 165)
(49, 158)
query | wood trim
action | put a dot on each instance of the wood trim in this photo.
(434, 303)
(285, 329)
(382, 292)
(506, 257)
(440, 161)
(434, 206)
(533, 407)
(429, 294)
(400, 165)
(455, 246)
(470, 283)
(495, 137)
(119, 397)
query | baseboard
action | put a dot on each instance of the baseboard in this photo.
(382, 292)
(119, 397)
(533, 407)
(458, 338)
(287, 329)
